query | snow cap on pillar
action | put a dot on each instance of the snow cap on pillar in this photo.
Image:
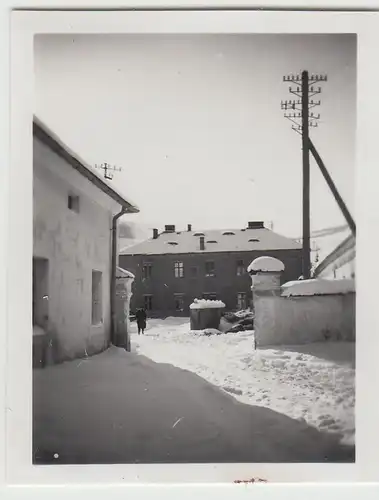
(266, 273)
(266, 265)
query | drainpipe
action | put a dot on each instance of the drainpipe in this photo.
(113, 275)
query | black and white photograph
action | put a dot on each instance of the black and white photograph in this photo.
(194, 248)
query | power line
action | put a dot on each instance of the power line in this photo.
(328, 231)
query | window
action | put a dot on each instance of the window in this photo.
(211, 241)
(241, 301)
(97, 303)
(253, 240)
(240, 268)
(146, 270)
(194, 271)
(228, 233)
(179, 302)
(148, 302)
(210, 296)
(210, 268)
(172, 243)
(179, 269)
(73, 203)
(198, 234)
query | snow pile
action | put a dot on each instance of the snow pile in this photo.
(318, 287)
(266, 264)
(244, 313)
(206, 304)
(315, 382)
(207, 331)
(123, 273)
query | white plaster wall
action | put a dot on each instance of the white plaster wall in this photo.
(301, 320)
(75, 244)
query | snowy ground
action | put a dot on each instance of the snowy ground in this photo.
(314, 383)
(120, 407)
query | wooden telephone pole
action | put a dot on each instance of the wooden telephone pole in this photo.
(302, 120)
(306, 177)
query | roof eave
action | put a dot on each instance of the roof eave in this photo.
(49, 139)
(205, 252)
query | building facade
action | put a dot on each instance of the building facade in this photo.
(174, 267)
(73, 213)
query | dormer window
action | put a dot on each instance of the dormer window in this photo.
(73, 203)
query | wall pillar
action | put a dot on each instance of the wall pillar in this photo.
(124, 280)
(266, 274)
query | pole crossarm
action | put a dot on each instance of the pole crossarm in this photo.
(108, 170)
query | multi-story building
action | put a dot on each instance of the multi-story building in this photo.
(174, 267)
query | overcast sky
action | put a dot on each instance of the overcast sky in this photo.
(195, 122)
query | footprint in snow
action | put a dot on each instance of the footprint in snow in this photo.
(232, 390)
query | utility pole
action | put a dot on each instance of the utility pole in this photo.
(306, 176)
(107, 169)
(302, 120)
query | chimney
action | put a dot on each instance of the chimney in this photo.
(189, 227)
(256, 225)
(155, 234)
(169, 228)
(202, 244)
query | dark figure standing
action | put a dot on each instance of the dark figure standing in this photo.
(141, 320)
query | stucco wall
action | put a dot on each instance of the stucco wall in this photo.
(75, 244)
(226, 284)
(300, 320)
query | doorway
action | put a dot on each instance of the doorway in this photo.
(40, 292)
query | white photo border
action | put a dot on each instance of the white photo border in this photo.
(19, 470)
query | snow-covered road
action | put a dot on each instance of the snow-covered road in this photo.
(313, 382)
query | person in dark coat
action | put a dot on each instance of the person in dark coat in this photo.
(141, 320)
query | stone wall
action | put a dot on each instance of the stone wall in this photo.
(311, 312)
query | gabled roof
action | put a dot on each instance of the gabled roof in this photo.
(52, 141)
(240, 240)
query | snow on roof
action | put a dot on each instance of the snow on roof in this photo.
(318, 287)
(187, 242)
(344, 251)
(268, 264)
(124, 273)
(206, 304)
(43, 133)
